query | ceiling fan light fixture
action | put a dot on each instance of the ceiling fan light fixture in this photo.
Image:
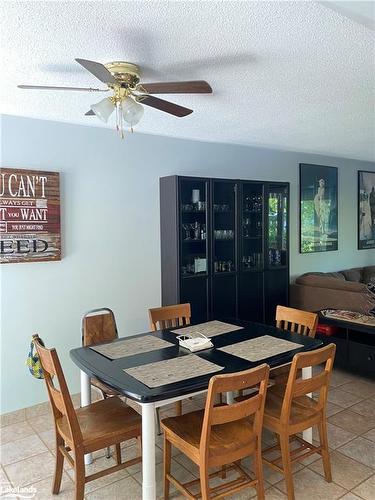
(132, 111)
(103, 109)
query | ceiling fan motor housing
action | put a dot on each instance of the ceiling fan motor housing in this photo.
(127, 74)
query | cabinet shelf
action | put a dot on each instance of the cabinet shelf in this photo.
(194, 241)
(196, 275)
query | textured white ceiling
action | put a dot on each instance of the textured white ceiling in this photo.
(290, 75)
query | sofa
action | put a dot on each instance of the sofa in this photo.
(346, 289)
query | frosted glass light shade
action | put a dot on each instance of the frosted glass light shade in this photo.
(103, 109)
(132, 111)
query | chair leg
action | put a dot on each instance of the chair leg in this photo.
(118, 453)
(287, 466)
(79, 475)
(59, 463)
(178, 408)
(167, 466)
(158, 421)
(322, 428)
(204, 480)
(258, 467)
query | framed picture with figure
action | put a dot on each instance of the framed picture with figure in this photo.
(366, 209)
(318, 208)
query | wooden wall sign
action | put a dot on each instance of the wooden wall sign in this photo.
(29, 216)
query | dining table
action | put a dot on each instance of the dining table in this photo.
(95, 364)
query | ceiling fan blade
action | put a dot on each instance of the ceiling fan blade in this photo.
(90, 112)
(47, 87)
(98, 70)
(166, 106)
(192, 87)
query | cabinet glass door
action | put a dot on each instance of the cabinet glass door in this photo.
(277, 226)
(224, 227)
(193, 227)
(252, 227)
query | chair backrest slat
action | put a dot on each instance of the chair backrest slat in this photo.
(250, 406)
(236, 411)
(296, 321)
(305, 386)
(297, 387)
(59, 396)
(98, 325)
(162, 318)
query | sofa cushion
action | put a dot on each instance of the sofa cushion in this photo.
(354, 274)
(337, 275)
(322, 281)
(369, 274)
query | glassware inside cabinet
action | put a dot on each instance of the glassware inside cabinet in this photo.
(252, 227)
(277, 226)
(224, 226)
(193, 227)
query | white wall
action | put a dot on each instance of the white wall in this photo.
(110, 231)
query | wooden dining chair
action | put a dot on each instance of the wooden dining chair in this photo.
(290, 411)
(220, 436)
(294, 321)
(99, 325)
(165, 317)
(94, 427)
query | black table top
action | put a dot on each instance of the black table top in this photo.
(111, 371)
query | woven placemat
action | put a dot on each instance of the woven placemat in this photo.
(260, 348)
(209, 329)
(131, 346)
(172, 370)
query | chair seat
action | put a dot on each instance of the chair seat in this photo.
(108, 420)
(104, 388)
(226, 439)
(303, 409)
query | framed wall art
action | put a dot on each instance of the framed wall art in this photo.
(29, 216)
(366, 209)
(318, 208)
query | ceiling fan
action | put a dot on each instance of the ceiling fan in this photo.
(129, 94)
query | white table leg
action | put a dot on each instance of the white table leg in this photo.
(148, 452)
(85, 401)
(307, 433)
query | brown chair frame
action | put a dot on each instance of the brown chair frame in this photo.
(97, 328)
(99, 325)
(107, 331)
(173, 316)
(71, 439)
(250, 409)
(165, 317)
(296, 321)
(310, 413)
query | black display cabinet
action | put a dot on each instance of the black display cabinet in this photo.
(225, 247)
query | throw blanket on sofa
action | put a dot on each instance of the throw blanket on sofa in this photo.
(351, 316)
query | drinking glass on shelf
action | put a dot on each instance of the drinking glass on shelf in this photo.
(187, 229)
(197, 230)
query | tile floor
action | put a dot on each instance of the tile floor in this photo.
(27, 454)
